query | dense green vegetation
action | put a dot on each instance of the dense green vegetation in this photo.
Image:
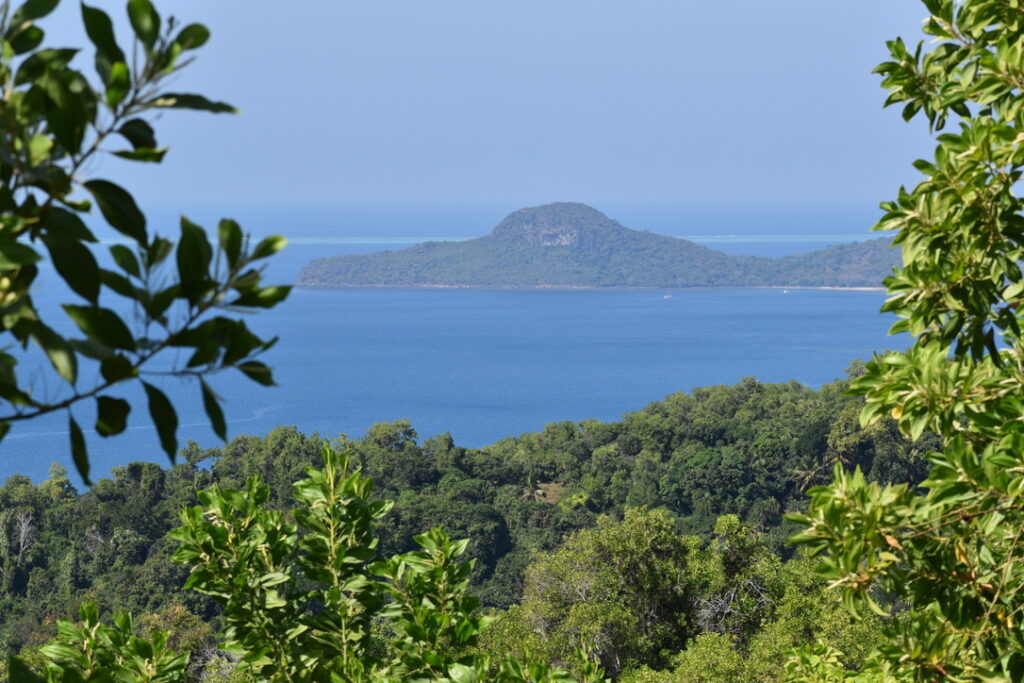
(748, 450)
(645, 550)
(573, 245)
(950, 554)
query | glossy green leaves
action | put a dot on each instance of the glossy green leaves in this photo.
(158, 293)
(300, 600)
(79, 454)
(211, 403)
(33, 9)
(164, 417)
(112, 415)
(119, 208)
(145, 21)
(190, 101)
(102, 325)
(952, 552)
(193, 258)
(95, 651)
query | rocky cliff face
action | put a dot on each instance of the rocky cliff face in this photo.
(562, 224)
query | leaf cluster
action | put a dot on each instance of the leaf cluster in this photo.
(158, 295)
(951, 553)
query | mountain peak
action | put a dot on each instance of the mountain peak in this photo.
(558, 224)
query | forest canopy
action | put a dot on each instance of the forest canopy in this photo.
(692, 470)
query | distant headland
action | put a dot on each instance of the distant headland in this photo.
(570, 245)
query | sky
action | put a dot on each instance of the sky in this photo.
(524, 102)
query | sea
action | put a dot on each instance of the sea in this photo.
(487, 364)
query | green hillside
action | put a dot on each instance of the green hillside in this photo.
(574, 245)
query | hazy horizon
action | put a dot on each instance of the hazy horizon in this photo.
(420, 220)
(525, 103)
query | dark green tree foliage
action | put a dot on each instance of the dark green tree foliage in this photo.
(626, 590)
(307, 601)
(652, 605)
(56, 121)
(573, 245)
(748, 449)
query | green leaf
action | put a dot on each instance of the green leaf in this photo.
(102, 325)
(159, 304)
(75, 263)
(165, 419)
(120, 284)
(145, 21)
(193, 256)
(151, 155)
(73, 106)
(78, 452)
(58, 350)
(192, 37)
(65, 225)
(15, 254)
(139, 133)
(33, 9)
(257, 372)
(100, 30)
(39, 147)
(39, 63)
(19, 671)
(158, 251)
(90, 348)
(273, 600)
(125, 259)
(460, 673)
(111, 415)
(188, 101)
(119, 208)
(118, 83)
(116, 367)
(27, 39)
(269, 246)
(213, 411)
(124, 622)
(229, 235)
(266, 297)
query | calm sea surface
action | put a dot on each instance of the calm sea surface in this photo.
(488, 364)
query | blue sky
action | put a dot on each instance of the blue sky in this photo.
(526, 101)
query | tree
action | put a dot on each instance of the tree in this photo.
(157, 295)
(624, 589)
(952, 554)
(306, 600)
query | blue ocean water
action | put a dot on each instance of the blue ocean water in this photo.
(488, 364)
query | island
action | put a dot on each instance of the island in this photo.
(572, 245)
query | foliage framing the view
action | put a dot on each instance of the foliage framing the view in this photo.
(54, 122)
(952, 555)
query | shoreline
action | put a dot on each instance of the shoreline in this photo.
(569, 288)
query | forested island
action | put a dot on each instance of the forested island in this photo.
(572, 245)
